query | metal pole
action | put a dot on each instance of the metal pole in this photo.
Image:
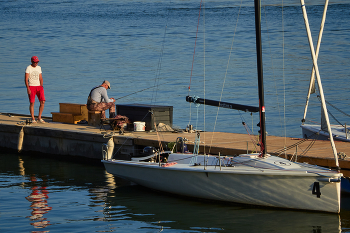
(319, 81)
(312, 78)
(260, 76)
(346, 132)
(159, 158)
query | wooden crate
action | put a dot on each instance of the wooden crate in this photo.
(67, 117)
(79, 109)
(70, 113)
(147, 113)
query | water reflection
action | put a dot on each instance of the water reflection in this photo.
(21, 167)
(99, 195)
(39, 206)
(38, 198)
(164, 212)
(86, 197)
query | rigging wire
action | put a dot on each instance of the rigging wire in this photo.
(204, 68)
(284, 149)
(338, 109)
(227, 66)
(171, 81)
(284, 80)
(195, 43)
(156, 81)
(282, 122)
(249, 131)
(329, 112)
(194, 52)
(319, 98)
(159, 66)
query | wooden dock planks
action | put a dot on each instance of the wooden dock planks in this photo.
(212, 143)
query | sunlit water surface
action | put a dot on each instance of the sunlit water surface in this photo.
(137, 45)
(140, 44)
(42, 194)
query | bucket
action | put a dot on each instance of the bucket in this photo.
(139, 126)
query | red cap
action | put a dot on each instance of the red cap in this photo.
(35, 59)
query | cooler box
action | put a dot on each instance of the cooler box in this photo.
(147, 113)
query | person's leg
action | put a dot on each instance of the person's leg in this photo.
(104, 106)
(103, 114)
(41, 97)
(32, 101)
(41, 108)
(31, 110)
(111, 110)
(99, 107)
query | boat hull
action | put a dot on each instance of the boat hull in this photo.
(314, 132)
(263, 189)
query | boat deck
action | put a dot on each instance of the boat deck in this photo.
(210, 142)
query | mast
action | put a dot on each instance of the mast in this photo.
(260, 76)
(312, 79)
(319, 83)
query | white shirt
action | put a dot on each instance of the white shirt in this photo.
(34, 73)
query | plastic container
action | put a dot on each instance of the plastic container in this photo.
(139, 126)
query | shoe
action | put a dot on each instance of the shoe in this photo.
(34, 121)
(41, 121)
(112, 115)
(82, 122)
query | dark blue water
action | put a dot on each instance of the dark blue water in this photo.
(41, 194)
(144, 44)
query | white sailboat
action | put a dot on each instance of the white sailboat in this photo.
(320, 131)
(317, 131)
(255, 179)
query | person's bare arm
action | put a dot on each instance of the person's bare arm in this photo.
(26, 77)
(41, 80)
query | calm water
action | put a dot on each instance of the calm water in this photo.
(141, 44)
(39, 194)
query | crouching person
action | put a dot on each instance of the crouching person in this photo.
(98, 100)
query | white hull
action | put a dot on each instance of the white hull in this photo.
(338, 132)
(260, 182)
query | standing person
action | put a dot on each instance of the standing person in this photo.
(34, 83)
(98, 100)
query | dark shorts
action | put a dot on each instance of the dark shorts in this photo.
(36, 91)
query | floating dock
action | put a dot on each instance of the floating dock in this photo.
(86, 141)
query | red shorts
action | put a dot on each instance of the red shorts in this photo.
(36, 91)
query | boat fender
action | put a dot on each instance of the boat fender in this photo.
(110, 146)
(104, 151)
(316, 189)
(20, 140)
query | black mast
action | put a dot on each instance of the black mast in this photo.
(260, 76)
